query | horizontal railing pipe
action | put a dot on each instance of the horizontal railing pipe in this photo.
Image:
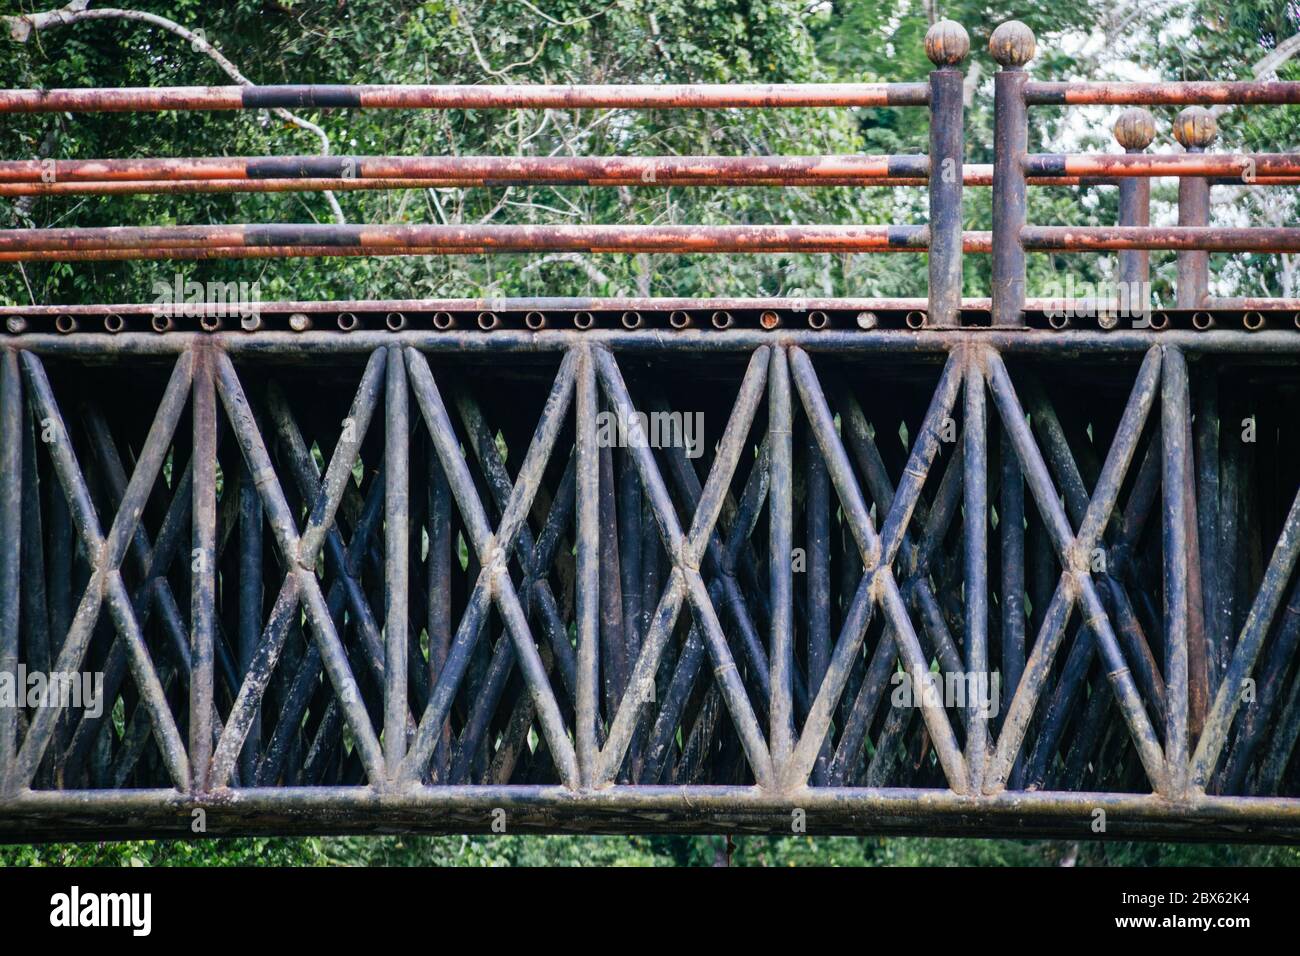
(1210, 92)
(477, 170)
(315, 240)
(1204, 238)
(1244, 166)
(976, 176)
(505, 238)
(699, 96)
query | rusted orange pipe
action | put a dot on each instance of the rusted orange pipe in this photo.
(701, 96)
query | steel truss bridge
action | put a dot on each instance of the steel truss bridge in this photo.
(375, 566)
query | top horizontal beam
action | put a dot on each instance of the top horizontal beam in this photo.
(1280, 345)
(649, 96)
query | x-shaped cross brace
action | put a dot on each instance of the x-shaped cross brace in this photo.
(106, 555)
(1076, 584)
(685, 550)
(301, 584)
(494, 584)
(534, 557)
(878, 584)
(916, 556)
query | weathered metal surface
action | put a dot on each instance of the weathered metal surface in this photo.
(486, 170)
(667, 96)
(1243, 166)
(1162, 94)
(734, 171)
(324, 239)
(1182, 237)
(1010, 142)
(408, 565)
(786, 777)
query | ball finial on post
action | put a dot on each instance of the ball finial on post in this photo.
(947, 43)
(1195, 127)
(1135, 129)
(1012, 45)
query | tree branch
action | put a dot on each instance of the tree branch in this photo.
(1268, 64)
(22, 26)
(573, 258)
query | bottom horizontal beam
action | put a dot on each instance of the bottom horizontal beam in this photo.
(43, 816)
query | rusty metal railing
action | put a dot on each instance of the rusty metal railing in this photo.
(404, 565)
(1013, 46)
(942, 238)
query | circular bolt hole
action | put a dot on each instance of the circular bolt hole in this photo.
(1253, 321)
(443, 320)
(65, 324)
(631, 320)
(679, 320)
(487, 321)
(347, 321)
(161, 323)
(1108, 322)
(250, 323)
(583, 320)
(114, 323)
(209, 323)
(915, 320)
(299, 322)
(769, 320)
(721, 320)
(1202, 320)
(1159, 320)
(867, 320)
(16, 323)
(535, 321)
(1058, 320)
(818, 320)
(395, 321)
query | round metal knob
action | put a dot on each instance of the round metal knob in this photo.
(1195, 127)
(1135, 129)
(1012, 45)
(947, 43)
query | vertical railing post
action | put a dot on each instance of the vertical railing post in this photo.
(11, 490)
(1207, 459)
(817, 501)
(203, 561)
(1012, 46)
(946, 44)
(1011, 555)
(1134, 130)
(438, 588)
(1195, 128)
(397, 520)
(780, 419)
(251, 604)
(1175, 484)
(976, 561)
(587, 584)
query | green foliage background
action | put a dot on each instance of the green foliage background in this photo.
(640, 851)
(610, 41)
